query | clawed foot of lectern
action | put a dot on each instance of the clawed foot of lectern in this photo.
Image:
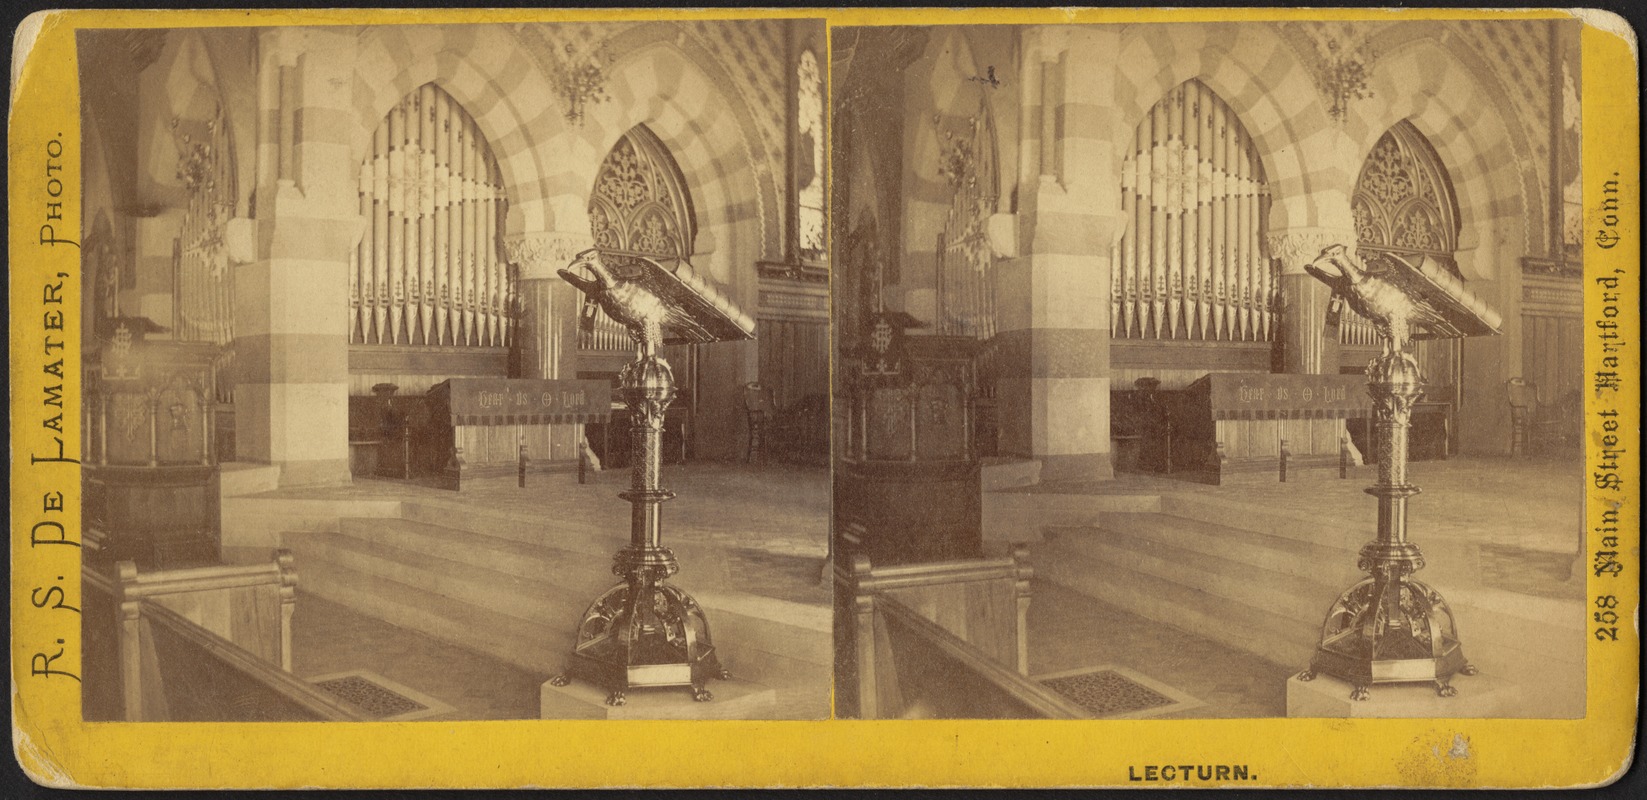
(617, 698)
(1307, 675)
(1445, 689)
(559, 680)
(725, 675)
(1361, 692)
(701, 694)
(1469, 669)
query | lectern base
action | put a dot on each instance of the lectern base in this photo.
(658, 638)
(734, 699)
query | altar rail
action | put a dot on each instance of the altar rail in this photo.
(943, 640)
(201, 644)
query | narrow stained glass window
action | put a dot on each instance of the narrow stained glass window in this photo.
(809, 123)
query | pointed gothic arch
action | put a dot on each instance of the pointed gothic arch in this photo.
(1403, 203)
(639, 206)
(429, 268)
(1192, 262)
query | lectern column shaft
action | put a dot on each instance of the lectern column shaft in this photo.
(646, 516)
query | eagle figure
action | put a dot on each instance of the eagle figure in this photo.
(631, 303)
(1393, 311)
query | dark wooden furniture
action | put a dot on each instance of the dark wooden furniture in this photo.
(798, 433)
(150, 469)
(1535, 426)
(479, 425)
(909, 476)
(1141, 426)
(1229, 426)
(610, 439)
(760, 415)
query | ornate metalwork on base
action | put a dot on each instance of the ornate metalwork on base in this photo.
(644, 632)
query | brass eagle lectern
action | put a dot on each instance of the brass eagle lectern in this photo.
(644, 632)
(1389, 628)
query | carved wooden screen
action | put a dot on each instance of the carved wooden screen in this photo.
(1192, 263)
(429, 270)
(1404, 204)
(966, 264)
(204, 283)
(639, 207)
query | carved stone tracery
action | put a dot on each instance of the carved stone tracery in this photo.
(1403, 199)
(640, 204)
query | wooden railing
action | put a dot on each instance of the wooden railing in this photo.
(201, 644)
(940, 640)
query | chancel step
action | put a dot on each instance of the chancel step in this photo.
(519, 601)
(1260, 580)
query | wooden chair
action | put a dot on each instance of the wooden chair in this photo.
(1533, 425)
(762, 413)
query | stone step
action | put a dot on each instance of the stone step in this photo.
(577, 536)
(1280, 640)
(255, 521)
(999, 473)
(598, 539)
(1522, 622)
(1024, 516)
(239, 478)
(765, 636)
(1458, 560)
(505, 556)
(1263, 597)
(1218, 589)
(1332, 567)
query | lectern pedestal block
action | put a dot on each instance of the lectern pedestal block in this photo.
(1486, 697)
(734, 699)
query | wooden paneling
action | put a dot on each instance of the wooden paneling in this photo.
(794, 358)
(1552, 355)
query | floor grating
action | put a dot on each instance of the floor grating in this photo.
(1117, 693)
(380, 698)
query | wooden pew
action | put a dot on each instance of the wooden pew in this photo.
(200, 644)
(944, 639)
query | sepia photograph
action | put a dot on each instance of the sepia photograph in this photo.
(824, 398)
(398, 340)
(1209, 370)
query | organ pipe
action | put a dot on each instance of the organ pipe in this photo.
(203, 286)
(1174, 185)
(427, 271)
(965, 274)
(1191, 262)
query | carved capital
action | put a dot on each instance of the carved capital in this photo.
(538, 254)
(1296, 247)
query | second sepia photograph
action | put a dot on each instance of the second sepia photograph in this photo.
(1200, 370)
